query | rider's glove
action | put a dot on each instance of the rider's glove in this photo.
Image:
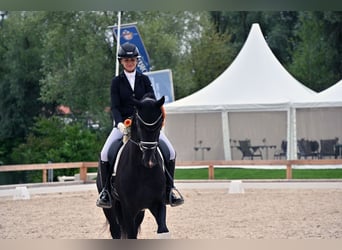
(121, 127)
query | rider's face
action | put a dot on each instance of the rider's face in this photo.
(129, 64)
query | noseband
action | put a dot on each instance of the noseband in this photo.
(147, 145)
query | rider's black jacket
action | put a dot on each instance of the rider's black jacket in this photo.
(122, 93)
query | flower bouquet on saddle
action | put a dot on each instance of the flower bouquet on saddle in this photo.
(127, 131)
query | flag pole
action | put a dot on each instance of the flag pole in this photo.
(118, 45)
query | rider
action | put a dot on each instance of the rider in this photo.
(126, 85)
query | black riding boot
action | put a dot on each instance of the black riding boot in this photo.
(171, 198)
(105, 200)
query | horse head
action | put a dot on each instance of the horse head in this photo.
(146, 125)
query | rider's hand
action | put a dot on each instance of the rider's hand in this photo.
(121, 127)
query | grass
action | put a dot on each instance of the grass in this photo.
(242, 173)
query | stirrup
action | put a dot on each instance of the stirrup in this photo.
(180, 200)
(102, 204)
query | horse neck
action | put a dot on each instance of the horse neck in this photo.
(134, 134)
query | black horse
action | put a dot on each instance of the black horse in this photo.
(140, 179)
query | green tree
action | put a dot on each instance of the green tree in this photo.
(78, 60)
(317, 56)
(20, 46)
(20, 74)
(235, 23)
(51, 139)
(167, 37)
(277, 27)
(278, 30)
(210, 55)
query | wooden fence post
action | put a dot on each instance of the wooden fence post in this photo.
(44, 178)
(288, 171)
(83, 173)
(211, 174)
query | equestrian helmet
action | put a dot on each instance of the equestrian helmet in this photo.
(128, 50)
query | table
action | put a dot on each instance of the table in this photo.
(265, 147)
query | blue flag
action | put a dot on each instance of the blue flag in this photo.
(129, 33)
(162, 84)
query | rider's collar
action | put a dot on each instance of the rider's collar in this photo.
(130, 74)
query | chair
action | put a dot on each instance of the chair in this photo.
(328, 148)
(249, 151)
(282, 152)
(307, 148)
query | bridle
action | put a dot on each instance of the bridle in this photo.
(146, 123)
(146, 145)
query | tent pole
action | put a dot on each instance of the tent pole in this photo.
(291, 134)
(294, 133)
(226, 135)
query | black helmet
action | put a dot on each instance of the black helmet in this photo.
(128, 50)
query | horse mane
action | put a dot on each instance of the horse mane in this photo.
(149, 95)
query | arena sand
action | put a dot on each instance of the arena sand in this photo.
(206, 214)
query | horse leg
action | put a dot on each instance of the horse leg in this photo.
(114, 227)
(159, 213)
(139, 219)
(129, 225)
(115, 231)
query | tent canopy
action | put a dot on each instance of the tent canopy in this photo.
(254, 98)
(254, 80)
(334, 93)
(331, 97)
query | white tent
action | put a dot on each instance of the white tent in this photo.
(332, 96)
(254, 80)
(250, 99)
(321, 118)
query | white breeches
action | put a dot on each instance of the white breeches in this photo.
(116, 134)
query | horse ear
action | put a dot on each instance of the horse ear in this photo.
(161, 101)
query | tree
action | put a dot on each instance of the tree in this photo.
(277, 27)
(210, 55)
(20, 74)
(51, 139)
(167, 37)
(307, 43)
(78, 61)
(19, 79)
(316, 58)
(51, 58)
(235, 23)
